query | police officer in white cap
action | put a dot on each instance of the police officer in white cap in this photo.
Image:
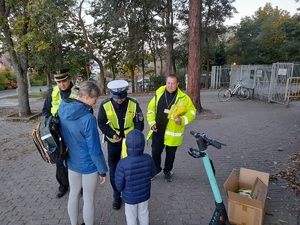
(117, 116)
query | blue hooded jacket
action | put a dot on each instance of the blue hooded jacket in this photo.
(133, 173)
(80, 134)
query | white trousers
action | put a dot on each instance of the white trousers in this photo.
(89, 183)
(138, 212)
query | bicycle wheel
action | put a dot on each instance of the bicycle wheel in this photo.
(224, 95)
(243, 93)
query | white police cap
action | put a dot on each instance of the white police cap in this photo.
(117, 85)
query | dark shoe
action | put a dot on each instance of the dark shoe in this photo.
(83, 224)
(156, 175)
(117, 203)
(168, 176)
(59, 194)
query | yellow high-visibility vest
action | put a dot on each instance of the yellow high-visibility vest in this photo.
(56, 100)
(113, 119)
(183, 107)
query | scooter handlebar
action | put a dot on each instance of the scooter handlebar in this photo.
(208, 141)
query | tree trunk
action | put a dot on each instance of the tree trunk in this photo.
(154, 62)
(102, 80)
(207, 74)
(193, 88)
(132, 78)
(169, 38)
(207, 61)
(23, 97)
(21, 74)
(49, 80)
(17, 62)
(143, 74)
(89, 49)
(161, 65)
(113, 72)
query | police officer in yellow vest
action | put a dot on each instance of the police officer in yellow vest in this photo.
(116, 117)
(167, 114)
(51, 105)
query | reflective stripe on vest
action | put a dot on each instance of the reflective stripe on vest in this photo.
(113, 120)
(56, 100)
(174, 133)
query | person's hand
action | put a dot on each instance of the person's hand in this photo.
(117, 138)
(178, 120)
(102, 179)
(153, 128)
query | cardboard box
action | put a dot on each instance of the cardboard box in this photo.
(243, 210)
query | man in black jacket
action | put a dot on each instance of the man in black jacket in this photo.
(51, 105)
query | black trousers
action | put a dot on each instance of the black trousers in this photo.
(114, 156)
(157, 149)
(62, 176)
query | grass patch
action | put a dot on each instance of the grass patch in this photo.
(31, 95)
(36, 94)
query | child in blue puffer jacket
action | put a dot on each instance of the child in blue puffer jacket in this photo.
(133, 178)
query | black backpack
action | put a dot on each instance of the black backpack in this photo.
(48, 140)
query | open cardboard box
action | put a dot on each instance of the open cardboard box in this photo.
(243, 210)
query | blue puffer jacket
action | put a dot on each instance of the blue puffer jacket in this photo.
(134, 173)
(81, 136)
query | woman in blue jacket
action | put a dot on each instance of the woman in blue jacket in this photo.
(86, 161)
(133, 178)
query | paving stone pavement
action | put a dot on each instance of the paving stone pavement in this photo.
(258, 135)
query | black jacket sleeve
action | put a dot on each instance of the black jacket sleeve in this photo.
(138, 119)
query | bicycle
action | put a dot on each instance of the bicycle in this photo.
(239, 90)
(219, 216)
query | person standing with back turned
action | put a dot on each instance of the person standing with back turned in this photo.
(117, 116)
(86, 162)
(61, 91)
(167, 114)
(133, 179)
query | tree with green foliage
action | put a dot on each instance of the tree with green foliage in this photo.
(55, 38)
(31, 32)
(270, 35)
(213, 16)
(14, 26)
(127, 24)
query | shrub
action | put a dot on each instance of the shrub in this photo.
(8, 80)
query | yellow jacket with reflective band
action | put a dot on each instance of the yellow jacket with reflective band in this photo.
(56, 100)
(182, 107)
(113, 120)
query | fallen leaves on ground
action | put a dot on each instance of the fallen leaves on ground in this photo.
(292, 174)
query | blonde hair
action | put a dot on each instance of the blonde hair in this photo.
(88, 88)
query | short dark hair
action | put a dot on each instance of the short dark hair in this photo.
(173, 75)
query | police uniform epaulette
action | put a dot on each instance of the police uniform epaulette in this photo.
(106, 100)
(132, 99)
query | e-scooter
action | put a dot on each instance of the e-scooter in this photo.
(220, 216)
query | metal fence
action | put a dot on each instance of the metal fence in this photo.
(267, 82)
(292, 89)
